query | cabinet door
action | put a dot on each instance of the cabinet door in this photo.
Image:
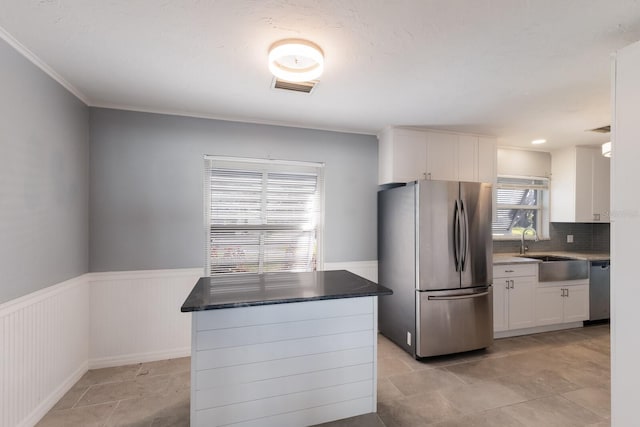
(601, 187)
(500, 304)
(584, 181)
(487, 160)
(576, 303)
(549, 308)
(522, 302)
(468, 158)
(563, 186)
(409, 153)
(442, 156)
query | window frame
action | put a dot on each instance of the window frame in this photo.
(543, 218)
(265, 166)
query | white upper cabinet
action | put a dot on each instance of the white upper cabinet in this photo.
(468, 158)
(601, 203)
(402, 154)
(579, 185)
(406, 155)
(487, 160)
(442, 156)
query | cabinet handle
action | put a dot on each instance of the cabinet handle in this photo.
(507, 282)
(596, 217)
(424, 175)
(512, 284)
(567, 292)
(429, 175)
(508, 271)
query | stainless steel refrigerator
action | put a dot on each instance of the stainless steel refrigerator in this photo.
(435, 253)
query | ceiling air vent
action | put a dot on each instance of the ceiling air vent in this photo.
(603, 129)
(303, 87)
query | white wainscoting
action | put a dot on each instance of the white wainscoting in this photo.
(135, 316)
(48, 339)
(366, 269)
(285, 364)
(44, 345)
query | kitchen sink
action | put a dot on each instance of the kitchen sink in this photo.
(555, 268)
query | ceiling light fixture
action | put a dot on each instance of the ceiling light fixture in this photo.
(606, 149)
(538, 141)
(296, 60)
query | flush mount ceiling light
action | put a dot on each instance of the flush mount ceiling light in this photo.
(606, 149)
(296, 60)
(538, 141)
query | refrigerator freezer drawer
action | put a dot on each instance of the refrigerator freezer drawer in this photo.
(454, 321)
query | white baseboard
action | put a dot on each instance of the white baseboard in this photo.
(129, 359)
(537, 330)
(50, 401)
(44, 347)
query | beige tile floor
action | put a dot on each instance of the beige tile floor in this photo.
(552, 379)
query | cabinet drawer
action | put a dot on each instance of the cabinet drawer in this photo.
(513, 270)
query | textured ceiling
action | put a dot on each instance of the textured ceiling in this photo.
(515, 69)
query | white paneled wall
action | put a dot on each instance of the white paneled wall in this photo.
(284, 364)
(49, 339)
(135, 316)
(44, 344)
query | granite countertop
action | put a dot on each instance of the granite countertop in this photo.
(245, 290)
(511, 258)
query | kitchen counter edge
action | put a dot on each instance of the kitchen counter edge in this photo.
(336, 284)
(510, 258)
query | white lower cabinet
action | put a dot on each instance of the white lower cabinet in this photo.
(562, 303)
(514, 290)
(523, 305)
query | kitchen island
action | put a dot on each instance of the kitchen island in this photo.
(283, 349)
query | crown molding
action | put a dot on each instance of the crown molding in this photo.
(35, 60)
(196, 115)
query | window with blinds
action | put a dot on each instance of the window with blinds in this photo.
(262, 216)
(521, 202)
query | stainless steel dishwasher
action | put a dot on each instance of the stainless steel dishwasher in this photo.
(599, 290)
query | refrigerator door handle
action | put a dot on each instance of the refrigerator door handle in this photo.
(464, 296)
(456, 235)
(465, 236)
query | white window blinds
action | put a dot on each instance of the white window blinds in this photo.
(262, 216)
(521, 202)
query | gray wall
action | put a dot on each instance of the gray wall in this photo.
(513, 161)
(43, 179)
(147, 179)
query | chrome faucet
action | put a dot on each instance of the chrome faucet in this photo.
(523, 248)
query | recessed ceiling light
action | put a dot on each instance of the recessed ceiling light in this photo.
(538, 141)
(296, 60)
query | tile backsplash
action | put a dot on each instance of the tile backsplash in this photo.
(587, 237)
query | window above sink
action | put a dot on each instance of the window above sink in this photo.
(521, 202)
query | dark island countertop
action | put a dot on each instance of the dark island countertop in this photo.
(245, 290)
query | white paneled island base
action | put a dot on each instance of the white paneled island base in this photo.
(283, 349)
(294, 364)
